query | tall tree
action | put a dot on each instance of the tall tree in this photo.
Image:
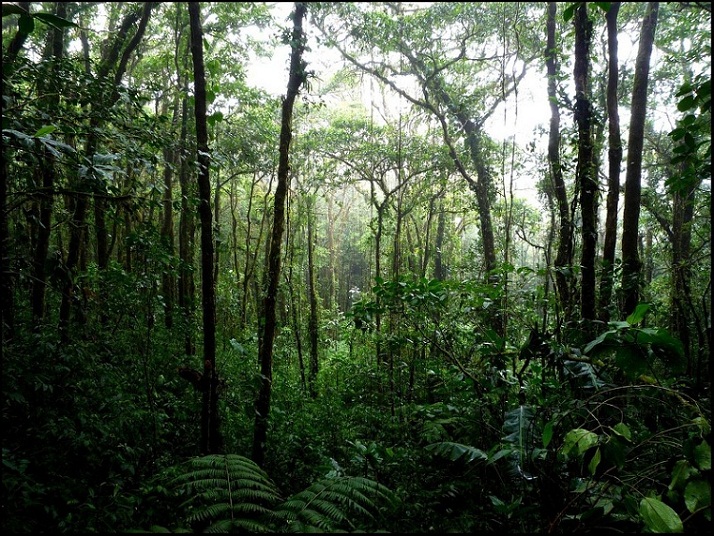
(556, 188)
(631, 265)
(585, 178)
(210, 431)
(614, 161)
(296, 79)
(48, 173)
(79, 206)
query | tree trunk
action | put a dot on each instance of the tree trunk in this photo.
(439, 270)
(564, 256)
(631, 265)
(48, 174)
(186, 285)
(586, 167)
(168, 281)
(296, 79)
(614, 159)
(78, 224)
(210, 429)
(312, 295)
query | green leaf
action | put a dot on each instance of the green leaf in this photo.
(592, 466)
(456, 451)
(580, 440)
(569, 12)
(602, 338)
(45, 130)
(638, 314)
(697, 494)
(659, 517)
(547, 434)
(703, 456)
(680, 474)
(687, 103)
(622, 430)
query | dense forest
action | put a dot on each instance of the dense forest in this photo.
(356, 266)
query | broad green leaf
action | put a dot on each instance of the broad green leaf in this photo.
(45, 130)
(622, 430)
(592, 344)
(680, 474)
(659, 517)
(592, 466)
(687, 103)
(697, 494)
(579, 440)
(703, 456)
(638, 314)
(569, 12)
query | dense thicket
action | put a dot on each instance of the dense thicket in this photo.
(369, 299)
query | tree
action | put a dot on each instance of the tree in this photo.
(210, 432)
(557, 189)
(614, 161)
(586, 171)
(297, 77)
(631, 265)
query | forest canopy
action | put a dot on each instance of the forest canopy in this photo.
(356, 266)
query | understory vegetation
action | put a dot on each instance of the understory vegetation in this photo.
(329, 310)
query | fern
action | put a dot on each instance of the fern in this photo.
(326, 505)
(229, 492)
(457, 451)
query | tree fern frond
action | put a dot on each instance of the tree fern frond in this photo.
(228, 491)
(457, 451)
(330, 504)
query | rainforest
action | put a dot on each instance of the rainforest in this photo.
(412, 267)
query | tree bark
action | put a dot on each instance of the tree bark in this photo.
(295, 80)
(312, 295)
(585, 171)
(210, 429)
(564, 255)
(614, 161)
(631, 264)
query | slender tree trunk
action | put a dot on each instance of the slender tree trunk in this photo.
(586, 167)
(210, 429)
(631, 265)
(48, 174)
(168, 281)
(186, 285)
(81, 204)
(295, 80)
(564, 256)
(614, 159)
(439, 271)
(312, 294)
